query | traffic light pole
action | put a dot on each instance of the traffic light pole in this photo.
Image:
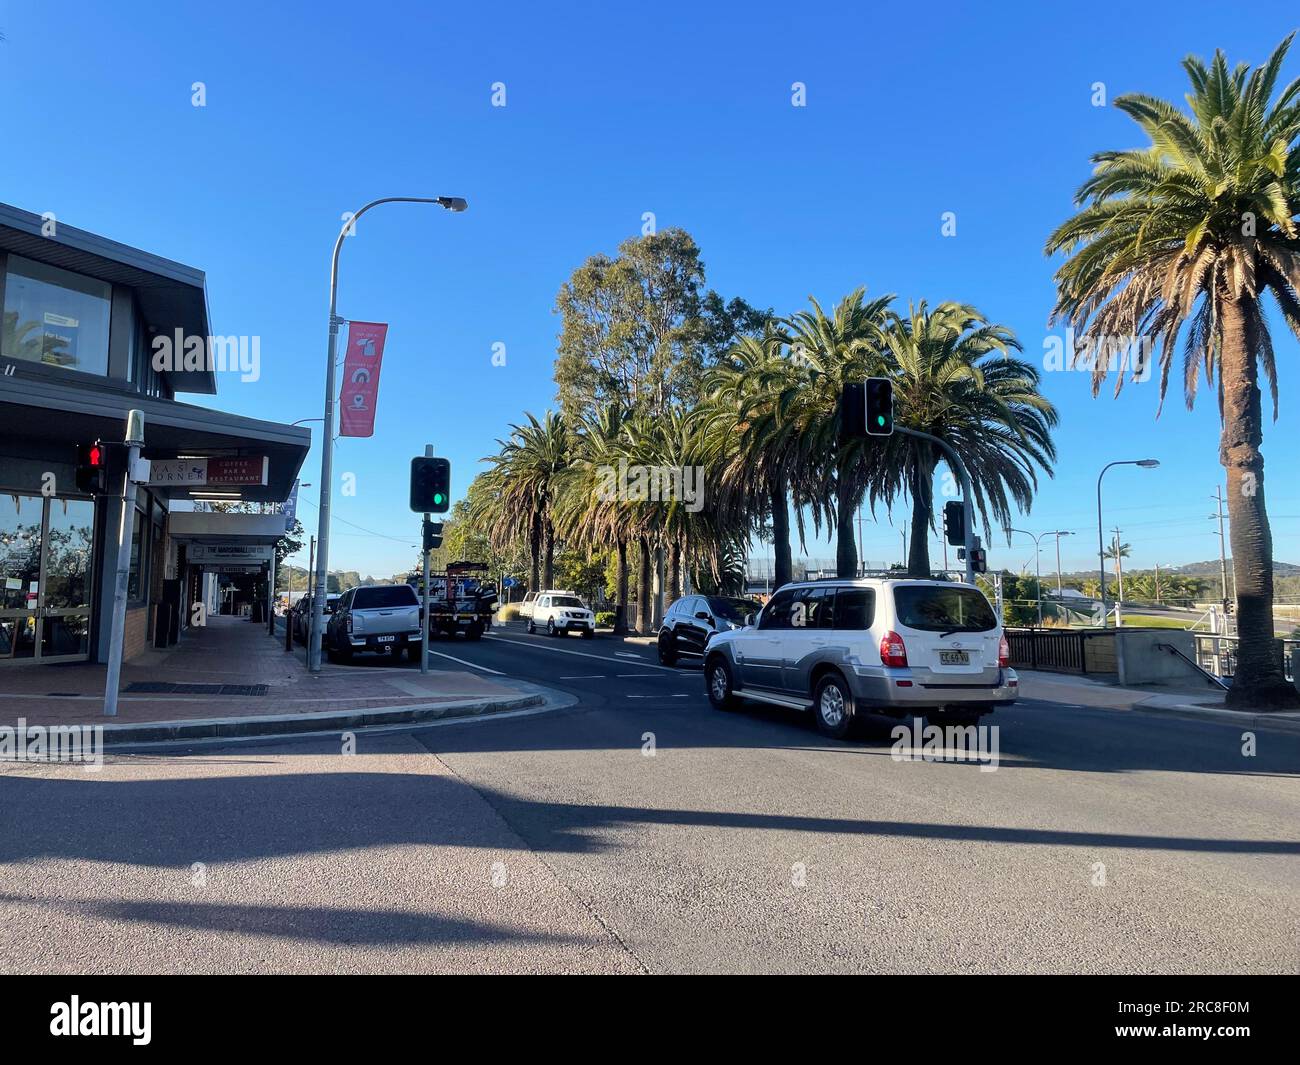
(968, 510)
(125, 533)
(424, 550)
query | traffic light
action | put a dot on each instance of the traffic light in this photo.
(979, 560)
(954, 522)
(880, 406)
(430, 485)
(432, 535)
(92, 468)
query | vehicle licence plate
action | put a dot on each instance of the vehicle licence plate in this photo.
(385, 639)
(954, 658)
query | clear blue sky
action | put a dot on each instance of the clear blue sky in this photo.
(679, 109)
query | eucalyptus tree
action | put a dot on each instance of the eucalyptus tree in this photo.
(1196, 231)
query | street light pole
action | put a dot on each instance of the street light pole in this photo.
(451, 203)
(1146, 464)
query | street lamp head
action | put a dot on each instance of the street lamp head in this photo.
(1148, 464)
(453, 203)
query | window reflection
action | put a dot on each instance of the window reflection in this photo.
(55, 317)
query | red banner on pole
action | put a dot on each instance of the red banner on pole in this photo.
(360, 394)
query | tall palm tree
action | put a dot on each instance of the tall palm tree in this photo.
(524, 479)
(1194, 231)
(954, 378)
(1118, 552)
(831, 469)
(585, 515)
(750, 415)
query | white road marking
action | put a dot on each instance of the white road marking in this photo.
(579, 654)
(636, 674)
(462, 661)
(626, 654)
(658, 697)
(586, 676)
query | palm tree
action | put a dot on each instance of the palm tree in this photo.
(830, 470)
(750, 415)
(585, 514)
(523, 486)
(954, 378)
(1118, 552)
(1193, 231)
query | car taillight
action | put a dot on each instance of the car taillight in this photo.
(347, 621)
(892, 650)
(1004, 653)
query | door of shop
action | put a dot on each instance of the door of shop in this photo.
(46, 577)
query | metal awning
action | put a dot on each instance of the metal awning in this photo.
(36, 409)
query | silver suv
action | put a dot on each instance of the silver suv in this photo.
(851, 647)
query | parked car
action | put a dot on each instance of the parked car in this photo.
(561, 612)
(850, 648)
(379, 618)
(693, 620)
(300, 616)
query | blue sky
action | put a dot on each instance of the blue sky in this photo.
(681, 110)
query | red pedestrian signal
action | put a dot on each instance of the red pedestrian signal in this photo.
(92, 468)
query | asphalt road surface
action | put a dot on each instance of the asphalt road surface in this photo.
(639, 830)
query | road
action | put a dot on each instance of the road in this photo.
(639, 830)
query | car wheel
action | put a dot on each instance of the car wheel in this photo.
(833, 705)
(667, 650)
(532, 629)
(718, 682)
(550, 627)
(474, 632)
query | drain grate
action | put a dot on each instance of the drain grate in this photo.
(157, 687)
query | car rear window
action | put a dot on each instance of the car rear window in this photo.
(930, 608)
(379, 598)
(734, 609)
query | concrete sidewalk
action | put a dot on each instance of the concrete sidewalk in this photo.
(1206, 705)
(233, 669)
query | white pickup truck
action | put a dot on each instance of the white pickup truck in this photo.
(380, 618)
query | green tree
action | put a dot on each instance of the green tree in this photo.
(1194, 232)
(830, 471)
(955, 379)
(521, 491)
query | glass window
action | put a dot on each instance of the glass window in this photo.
(384, 596)
(855, 609)
(930, 608)
(776, 615)
(734, 609)
(55, 317)
(67, 564)
(133, 583)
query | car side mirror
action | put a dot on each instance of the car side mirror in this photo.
(750, 619)
(703, 615)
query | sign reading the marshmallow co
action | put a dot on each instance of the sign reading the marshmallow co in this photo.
(360, 391)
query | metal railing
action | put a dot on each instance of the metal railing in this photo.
(1057, 650)
(1218, 655)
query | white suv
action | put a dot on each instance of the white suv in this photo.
(561, 612)
(849, 647)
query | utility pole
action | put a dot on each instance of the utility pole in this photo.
(1223, 552)
(424, 610)
(125, 533)
(1119, 565)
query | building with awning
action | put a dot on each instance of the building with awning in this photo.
(82, 318)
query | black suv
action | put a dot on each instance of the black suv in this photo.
(691, 622)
